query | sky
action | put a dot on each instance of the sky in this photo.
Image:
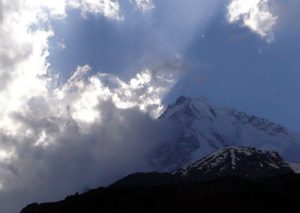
(78, 76)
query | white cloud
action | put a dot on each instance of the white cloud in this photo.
(44, 127)
(254, 14)
(108, 8)
(82, 93)
(24, 47)
(143, 5)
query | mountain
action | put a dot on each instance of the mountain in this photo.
(243, 162)
(239, 162)
(239, 178)
(203, 128)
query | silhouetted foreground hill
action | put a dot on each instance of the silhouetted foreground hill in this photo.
(279, 194)
(237, 179)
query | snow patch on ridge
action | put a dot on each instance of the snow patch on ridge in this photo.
(295, 167)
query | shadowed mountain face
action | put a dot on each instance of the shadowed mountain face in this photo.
(221, 181)
(205, 128)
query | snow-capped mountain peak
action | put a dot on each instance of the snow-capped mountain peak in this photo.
(189, 107)
(204, 128)
(237, 161)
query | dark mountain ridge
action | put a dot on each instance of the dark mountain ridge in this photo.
(202, 185)
(276, 194)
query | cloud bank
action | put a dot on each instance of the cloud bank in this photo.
(90, 130)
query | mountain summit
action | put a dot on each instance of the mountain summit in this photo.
(243, 162)
(204, 128)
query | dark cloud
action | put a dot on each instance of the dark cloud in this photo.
(118, 144)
